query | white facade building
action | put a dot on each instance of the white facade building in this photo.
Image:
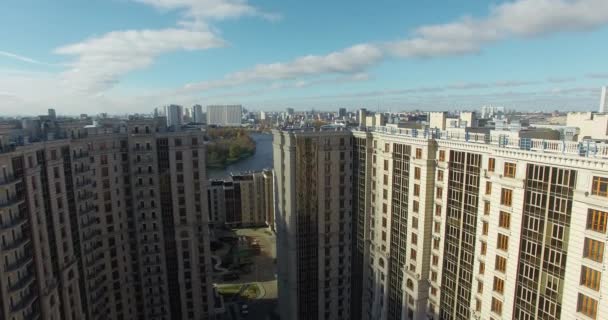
(197, 113)
(224, 115)
(174, 115)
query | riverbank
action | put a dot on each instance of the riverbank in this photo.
(258, 160)
(228, 146)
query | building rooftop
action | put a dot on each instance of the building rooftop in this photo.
(495, 138)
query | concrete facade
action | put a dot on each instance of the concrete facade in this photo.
(451, 225)
(91, 234)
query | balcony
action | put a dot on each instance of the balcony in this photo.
(12, 201)
(145, 160)
(24, 302)
(82, 169)
(96, 258)
(91, 235)
(8, 180)
(90, 222)
(22, 283)
(15, 222)
(85, 196)
(142, 149)
(84, 183)
(80, 155)
(19, 263)
(16, 243)
(87, 210)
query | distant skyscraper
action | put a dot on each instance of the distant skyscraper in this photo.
(174, 115)
(604, 100)
(342, 112)
(197, 113)
(290, 111)
(226, 115)
(361, 116)
(52, 114)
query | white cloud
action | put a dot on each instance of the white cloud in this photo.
(101, 61)
(522, 18)
(22, 58)
(198, 10)
(598, 75)
(561, 79)
(353, 60)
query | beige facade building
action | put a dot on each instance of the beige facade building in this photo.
(242, 200)
(313, 223)
(449, 226)
(105, 222)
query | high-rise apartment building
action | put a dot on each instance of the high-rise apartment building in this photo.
(228, 115)
(242, 200)
(175, 115)
(313, 223)
(197, 114)
(447, 224)
(105, 222)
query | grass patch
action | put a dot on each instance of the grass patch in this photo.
(229, 290)
(251, 292)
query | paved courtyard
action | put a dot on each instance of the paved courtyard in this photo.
(262, 273)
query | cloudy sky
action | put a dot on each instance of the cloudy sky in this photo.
(120, 56)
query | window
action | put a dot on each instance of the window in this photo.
(499, 285)
(491, 164)
(596, 220)
(488, 187)
(502, 242)
(484, 248)
(439, 175)
(477, 305)
(506, 197)
(600, 187)
(500, 264)
(417, 173)
(485, 228)
(593, 250)
(504, 220)
(587, 306)
(438, 210)
(416, 206)
(590, 278)
(418, 153)
(385, 180)
(414, 238)
(482, 268)
(496, 306)
(416, 190)
(510, 169)
(386, 165)
(486, 208)
(441, 155)
(479, 286)
(439, 192)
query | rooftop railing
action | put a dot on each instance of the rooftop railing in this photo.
(587, 148)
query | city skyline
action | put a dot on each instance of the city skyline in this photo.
(133, 56)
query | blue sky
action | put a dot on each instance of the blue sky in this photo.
(122, 56)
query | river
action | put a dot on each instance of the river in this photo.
(261, 159)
